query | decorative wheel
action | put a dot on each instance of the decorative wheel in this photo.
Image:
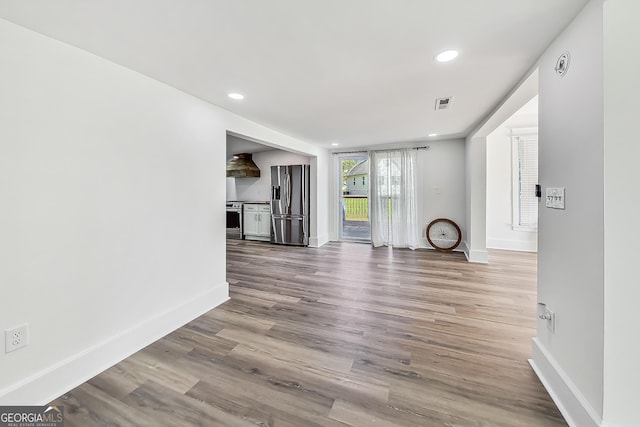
(444, 234)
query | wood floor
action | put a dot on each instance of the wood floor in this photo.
(343, 335)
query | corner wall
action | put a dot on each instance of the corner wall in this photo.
(475, 235)
(621, 207)
(112, 219)
(320, 204)
(570, 241)
(441, 184)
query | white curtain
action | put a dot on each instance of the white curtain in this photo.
(393, 198)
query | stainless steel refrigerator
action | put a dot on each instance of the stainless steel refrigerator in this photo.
(290, 205)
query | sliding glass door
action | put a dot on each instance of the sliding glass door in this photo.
(353, 198)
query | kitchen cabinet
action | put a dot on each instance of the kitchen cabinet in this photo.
(257, 221)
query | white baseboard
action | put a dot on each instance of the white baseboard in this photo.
(512, 245)
(464, 247)
(475, 256)
(42, 387)
(478, 257)
(316, 242)
(574, 407)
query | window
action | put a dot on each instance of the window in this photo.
(354, 181)
(363, 181)
(525, 178)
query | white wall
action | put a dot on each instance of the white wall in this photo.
(441, 184)
(570, 241)
(112, 218)
(475, 235)
(320, 180)
(500, 233)
(258, 189)
(621, 207)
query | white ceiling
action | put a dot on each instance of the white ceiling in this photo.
(353, 71)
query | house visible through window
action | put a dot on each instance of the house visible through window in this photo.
(525, 178)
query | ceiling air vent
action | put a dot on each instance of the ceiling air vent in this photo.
(443, 103)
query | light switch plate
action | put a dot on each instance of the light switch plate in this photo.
(555, 198)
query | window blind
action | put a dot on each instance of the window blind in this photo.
(528, 178)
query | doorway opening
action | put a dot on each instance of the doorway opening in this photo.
(512, 175)
(353, 203)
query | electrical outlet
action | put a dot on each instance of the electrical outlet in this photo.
(545, 313)
(551, 321)
(16, 338)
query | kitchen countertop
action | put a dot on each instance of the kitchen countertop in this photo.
(256, 203)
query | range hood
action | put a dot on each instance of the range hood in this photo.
(241, 166)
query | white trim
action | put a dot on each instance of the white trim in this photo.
(518, 131)
(50, 383)
(316, 242)
(571, 403)
(512, 245)
(478, 257)
(336, 215)
(515, 182)
(464, 247)
(524, 228)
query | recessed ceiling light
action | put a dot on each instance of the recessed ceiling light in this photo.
(433, 134)
(447, 55)
(334, 144)
(237, 96)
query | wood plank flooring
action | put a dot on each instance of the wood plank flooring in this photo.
(343, 335)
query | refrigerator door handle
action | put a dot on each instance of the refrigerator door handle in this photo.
(304, 229)
(284, 192)
(289, 191)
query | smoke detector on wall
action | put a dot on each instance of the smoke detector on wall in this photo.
(562, 64)
(443, 103)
